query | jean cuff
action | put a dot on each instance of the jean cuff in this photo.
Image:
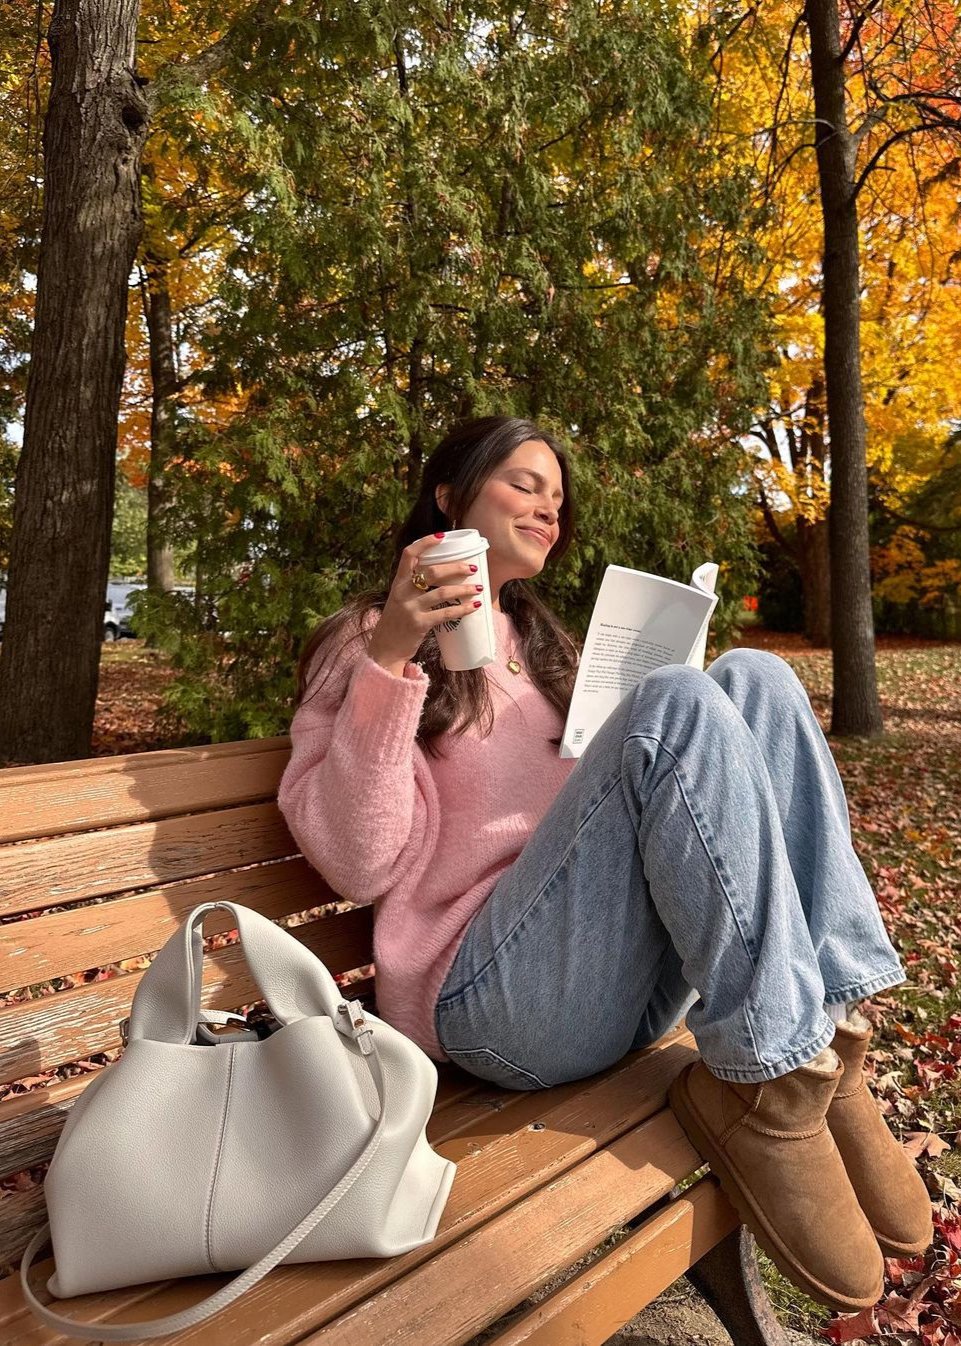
(763, 1071)
(859, 990)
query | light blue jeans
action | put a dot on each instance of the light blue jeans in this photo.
(697, 858)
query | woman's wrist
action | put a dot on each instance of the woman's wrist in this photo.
(397, 669)
(389, 662)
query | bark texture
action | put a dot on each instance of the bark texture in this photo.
(94, 132)
(856, 708)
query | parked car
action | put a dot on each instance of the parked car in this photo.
(119, 594)
(116, 626)
(113, 627)
(117, 615)
(118, 603)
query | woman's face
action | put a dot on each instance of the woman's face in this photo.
(520, 498)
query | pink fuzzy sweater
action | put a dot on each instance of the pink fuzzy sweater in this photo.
(425, 839)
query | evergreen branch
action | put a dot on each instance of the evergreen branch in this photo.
(605, 285)
(210, 222)
(578, 126)
(208, 62)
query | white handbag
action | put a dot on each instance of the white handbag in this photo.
(186, 1157)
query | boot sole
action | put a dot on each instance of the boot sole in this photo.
(749, 1215)
(903, 1249)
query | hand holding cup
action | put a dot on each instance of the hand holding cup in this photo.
(410, 613)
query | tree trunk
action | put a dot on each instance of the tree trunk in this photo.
(814, 546)
(163, 426)
(856, 709)
(814, 562)
(93, 137)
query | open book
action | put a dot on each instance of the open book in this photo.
(639, 623)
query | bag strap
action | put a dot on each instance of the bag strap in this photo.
(206, 1308)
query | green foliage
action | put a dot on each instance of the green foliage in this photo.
(128, 543)
(445, 216)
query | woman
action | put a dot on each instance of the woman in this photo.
(539, 917)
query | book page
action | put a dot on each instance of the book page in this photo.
(704, 578)
(640, 622)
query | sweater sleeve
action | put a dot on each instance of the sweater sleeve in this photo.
(350, 793)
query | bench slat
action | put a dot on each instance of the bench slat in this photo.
(596, 1303)
(18, 1211)
(39, 1035)
(30, 1125)
(38, 801)
(59, 870)
(578, 1119)
(523, 1247)
(58, 943)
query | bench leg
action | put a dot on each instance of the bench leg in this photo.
(728, 1278)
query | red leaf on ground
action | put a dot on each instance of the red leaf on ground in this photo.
(916, 1143)
(949, 1227)
(854, 1326)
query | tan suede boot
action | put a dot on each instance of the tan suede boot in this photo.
(889, 1188)
(769, 1147)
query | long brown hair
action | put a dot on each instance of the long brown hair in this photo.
(463, 461)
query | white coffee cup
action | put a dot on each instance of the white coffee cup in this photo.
(469, 641)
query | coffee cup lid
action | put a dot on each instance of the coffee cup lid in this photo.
(458, 545)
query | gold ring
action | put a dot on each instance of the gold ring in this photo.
(419, 581)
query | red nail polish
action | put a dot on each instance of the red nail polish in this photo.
(473, 570)
(438, 535)
(478, 603)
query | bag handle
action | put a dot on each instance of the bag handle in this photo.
(206, 1308)
(294, 982)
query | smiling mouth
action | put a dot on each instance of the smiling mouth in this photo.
(542, 537)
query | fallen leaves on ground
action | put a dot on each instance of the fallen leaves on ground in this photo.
(904, 800)
(132, 683)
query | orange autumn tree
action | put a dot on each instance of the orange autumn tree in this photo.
(60, 557)
(204, 161)
(902, 132)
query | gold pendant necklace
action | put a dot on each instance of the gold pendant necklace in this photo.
(513, 665)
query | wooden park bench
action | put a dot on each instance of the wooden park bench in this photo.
(101, 860)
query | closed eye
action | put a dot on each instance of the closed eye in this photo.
(523, 488)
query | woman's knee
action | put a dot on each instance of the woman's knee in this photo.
(675, 682)
(676, 713)
(753, 667)
(677, 695)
